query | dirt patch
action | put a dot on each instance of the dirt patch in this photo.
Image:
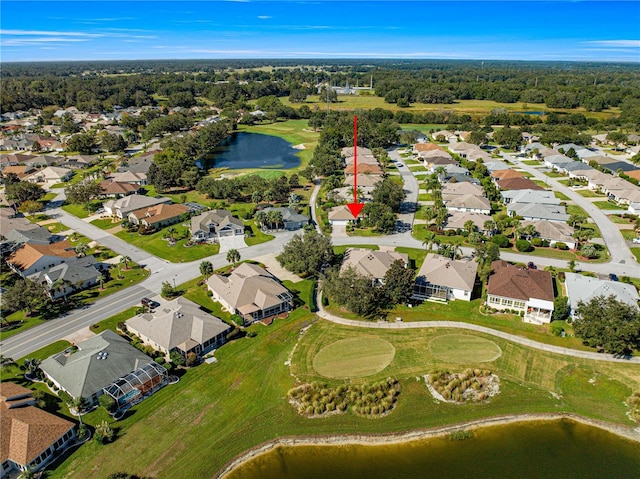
(197, 420)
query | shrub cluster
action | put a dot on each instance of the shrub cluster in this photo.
(472, 385)
(313, 399)
(634, 403)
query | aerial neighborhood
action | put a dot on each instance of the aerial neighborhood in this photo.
(150, 285)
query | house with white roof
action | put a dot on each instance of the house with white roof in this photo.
(444, 279)
(582, 289)
(372, 264)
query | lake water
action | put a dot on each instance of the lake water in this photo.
(253, 150)
(558, 449)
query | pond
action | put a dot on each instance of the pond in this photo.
(253, 150)
(536, 450)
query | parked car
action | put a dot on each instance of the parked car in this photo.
(613, 277)
(635, 240)
(531, 265)
(149, 303)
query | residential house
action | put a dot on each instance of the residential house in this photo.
(432, 162)
(123, 206)
(363, 180)
(214, 224)
(340, 216)
(444, 136)
(250, 292)
(30, 437)
(348, 151)
(290, 218)
(129, 177)
(495, 165)
(468, 203)
(544, 197)
(31, 258)
(96, 364)
(118, 189)
(179, 326)
(19, 234)
(366, 169)
(69, 277)
(444, 279)
(50, 175)
(372, 264)
(139, 164)
(518, 184)
(460, 148)
(457, 220)
(477, 153)
(450, 190)
(536, 211)
(424, 147)
(527, 291)
(553, 232)
(504, 174)
(362, 160)
(21, 171)
(158, 216)
(582, 289)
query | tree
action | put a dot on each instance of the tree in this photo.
(388, 192)
(168, 291)
(103, 433)
(589, 251)
(31, 366)
(25, 294)
(308, 254)
(83, 192)
(113, 142)
(609, 324)
(81, 250)
(30, 207)
(485, 254)
(509, 137)
(560, 308)
(398, 283)
(352, 290)
(233, 256)
(125, 260)
(576, 219)
(83, 143)
(177, 358)
(469, 226)
(328, 95)
(28, 473)
(206, 269)
(108, 403)
(21, 191)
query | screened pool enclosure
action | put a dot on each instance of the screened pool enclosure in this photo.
(137, 385)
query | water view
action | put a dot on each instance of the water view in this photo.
(536, 450)
(253, 150)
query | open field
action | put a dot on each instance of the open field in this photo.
(590, 194)
(354, 358)
(366, 102)
(464, 349)
(607, 205)
(240, 401)
(157, 246)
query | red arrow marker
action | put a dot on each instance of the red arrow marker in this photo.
(355, 207)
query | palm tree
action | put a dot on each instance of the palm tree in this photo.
(125, 260)
(256, 197)
(60, 284)
(31, 366)
(294, 200)
(81, 250)
(260, 218)
(430, 239)
(206, 269)
(233, 256)
(27, 474)
(103, 432)
(469, 226)
(490, 227)
(268, 196)
(529, 231)
(277, 217)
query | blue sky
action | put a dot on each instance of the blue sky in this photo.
(509, 30)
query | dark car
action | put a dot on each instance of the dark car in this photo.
(531, 265)
(613, 277)
(149, 303)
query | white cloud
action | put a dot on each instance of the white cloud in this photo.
(616, 43)
(264, 17)
(44, 32)
(21, 42)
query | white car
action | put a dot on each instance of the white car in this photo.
(399, 165)
(635, 240)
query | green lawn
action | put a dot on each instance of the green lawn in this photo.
(341, 249)
(155, 245)
(56, 227)
(561, 196)
(636, 253)
(425, 197)
(464, 348)
(553, 174)
(531, 162)
(242, 398)
(256, 236)
(352, 358)
(542, 184)
(76, 210)
(112, 322)
(590, 194)
(607, 205)
(576, 210)
(105, 223)
(620, 220)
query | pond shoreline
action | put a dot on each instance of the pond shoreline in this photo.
(395, 438)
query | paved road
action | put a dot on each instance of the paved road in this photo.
(312, 204)
(405, 219)
(473, 327)
(622, 261)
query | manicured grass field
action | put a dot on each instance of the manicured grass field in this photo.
(561, 196)
(607, 205)
(240, 402)
(157, 246)
(56, 227)
(105, 223)
(354, 358)
(553, 174)
(112, 322)
(76, 210)
(531, 162)
(590, 194)
(636, 252)
(464, 349)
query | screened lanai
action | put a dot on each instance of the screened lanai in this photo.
(138, 384)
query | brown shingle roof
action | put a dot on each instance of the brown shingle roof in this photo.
(427, 147)
(117, 187)
(503, 174)
(24, 257)
(523, 284)
(161, 212)
(26, 431)
(365, 168)
(518, 184)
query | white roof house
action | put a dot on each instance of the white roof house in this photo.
(584, 288)
(370, 263)
(442, 278)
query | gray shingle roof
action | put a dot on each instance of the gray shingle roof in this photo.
(82, 374)
(584, 288)
(442, 271)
